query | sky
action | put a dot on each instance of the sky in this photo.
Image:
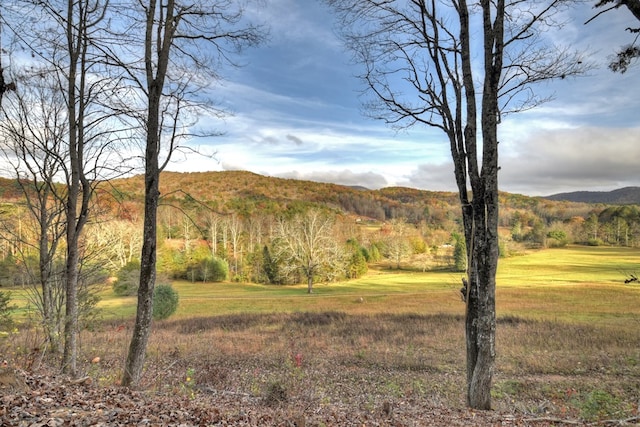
(296, 112)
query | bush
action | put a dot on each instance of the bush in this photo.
(5, 312)
(165, 301)
(207, 270)
(128, 279)
(557, 239)
(595, 242)
(275, 393)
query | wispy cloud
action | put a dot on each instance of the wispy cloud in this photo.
(297, 114)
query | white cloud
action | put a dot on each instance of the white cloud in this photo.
(370, 180)
(297, 115)
(552, 161)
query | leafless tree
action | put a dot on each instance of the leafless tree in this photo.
(85, 82)
(631, 52)
(63, 39)
(119, 240)
(306, 243)
(460, 67)
(5, 86)
(34, 129)
(183, 46)
(397, 241)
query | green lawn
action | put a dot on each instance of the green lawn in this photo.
(575, 283)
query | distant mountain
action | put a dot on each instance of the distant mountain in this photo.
(622, 196)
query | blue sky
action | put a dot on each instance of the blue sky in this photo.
(297, 114)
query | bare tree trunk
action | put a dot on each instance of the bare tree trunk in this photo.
(45, 280)
(49, 317)
(144, 312)
(79, 187)
(199, 21)
(73, 184)
(480, 323)
(155, 84)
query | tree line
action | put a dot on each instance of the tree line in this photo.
(201, 244)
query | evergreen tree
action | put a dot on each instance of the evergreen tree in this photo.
(270, 267)
(460, 254)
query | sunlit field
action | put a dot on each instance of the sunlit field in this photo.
(570, 284)
(568, 338)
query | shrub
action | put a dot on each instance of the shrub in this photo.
(557, 238)
(595, 242)
(502, 249)
(275, 393)
(207, 270)
(165, 301)
(5, 311)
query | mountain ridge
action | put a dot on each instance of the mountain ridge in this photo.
(620, 196)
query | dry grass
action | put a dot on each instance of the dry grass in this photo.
(567, 346)
(321, 358)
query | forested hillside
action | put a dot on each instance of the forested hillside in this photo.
(243, 226)
(246, 192)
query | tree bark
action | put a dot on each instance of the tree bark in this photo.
(73, 191)
(144, 311)
(481, 223)
(155, 84)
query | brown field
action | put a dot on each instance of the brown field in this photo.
(354, 366)
(567, 353)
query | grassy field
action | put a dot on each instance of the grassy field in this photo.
(568, 338)
(569, 284)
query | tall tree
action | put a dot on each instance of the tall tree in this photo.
(80, 20)
(425, 64)
(33, 129)
(184, 43)
(64, 45)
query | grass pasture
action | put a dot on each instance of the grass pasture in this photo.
(568, 340)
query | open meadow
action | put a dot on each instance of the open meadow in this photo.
(388, 348)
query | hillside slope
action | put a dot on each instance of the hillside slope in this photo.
(248, 192)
